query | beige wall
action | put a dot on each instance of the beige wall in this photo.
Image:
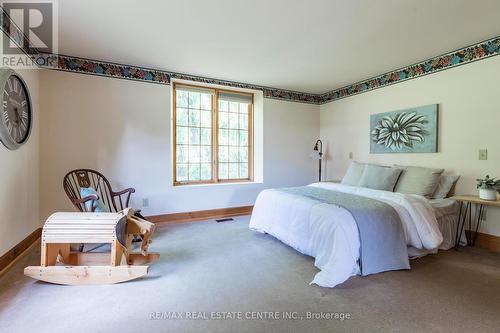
(122, 128)
(468, 98)
(19, 213)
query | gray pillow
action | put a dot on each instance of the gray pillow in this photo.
(353, 174)
(446, 182)
(379, 177)
(418, 180)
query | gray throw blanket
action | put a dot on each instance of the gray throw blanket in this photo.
(381, 235)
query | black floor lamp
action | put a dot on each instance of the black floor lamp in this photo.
(318, 153)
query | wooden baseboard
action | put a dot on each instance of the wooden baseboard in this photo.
(487, 241)
(200, 215)
(18, 251)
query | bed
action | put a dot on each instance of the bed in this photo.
(330, 234)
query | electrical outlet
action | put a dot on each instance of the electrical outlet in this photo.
(483, 154)
(145, 202)
(350, 155)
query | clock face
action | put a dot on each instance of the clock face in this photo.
(16, 111)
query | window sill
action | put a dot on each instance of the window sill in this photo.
(218, 184)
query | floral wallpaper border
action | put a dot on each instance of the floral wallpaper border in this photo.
(95, 67)
(481, 50)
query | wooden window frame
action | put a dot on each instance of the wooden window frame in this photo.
(215, 137)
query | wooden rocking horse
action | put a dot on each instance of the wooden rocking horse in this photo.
(62, 266)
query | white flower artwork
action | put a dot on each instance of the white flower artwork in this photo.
(405, 131)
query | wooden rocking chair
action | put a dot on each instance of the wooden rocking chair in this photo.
(113, 201)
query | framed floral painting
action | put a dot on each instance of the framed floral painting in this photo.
(412, 130)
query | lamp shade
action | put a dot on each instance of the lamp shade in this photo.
(316, 155)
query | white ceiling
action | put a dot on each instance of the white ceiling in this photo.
(310, 46)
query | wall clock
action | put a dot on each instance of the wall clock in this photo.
(16, 118)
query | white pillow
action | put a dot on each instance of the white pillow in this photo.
(353, 174)
(446, 182)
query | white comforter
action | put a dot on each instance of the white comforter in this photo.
(329, 233)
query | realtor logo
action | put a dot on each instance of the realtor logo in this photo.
(37, 21)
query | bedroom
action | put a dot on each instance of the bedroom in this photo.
(128, 85)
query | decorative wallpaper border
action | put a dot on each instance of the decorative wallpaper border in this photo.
(100, 68)
(481, 50)
(108, 69)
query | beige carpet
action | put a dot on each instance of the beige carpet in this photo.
(209, 267)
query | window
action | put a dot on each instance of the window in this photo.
(212, 135)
